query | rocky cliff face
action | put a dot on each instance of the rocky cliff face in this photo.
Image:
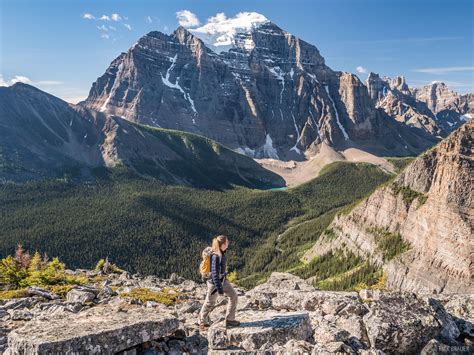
(429, 206)
(438, 97)
(284, 315)
(43, 136)
(434, 108)
(269, 94)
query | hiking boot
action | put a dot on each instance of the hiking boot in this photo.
(232, 323)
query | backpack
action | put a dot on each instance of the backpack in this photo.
(205, 266)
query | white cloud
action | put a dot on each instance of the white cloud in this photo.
(149, 19)
(72, 95)
(48, 82)
(361, 70)
(20, 79)
(165, 28)
(219, 31)
(187, 19)
(26, 80)
(3, 82)
(443, 70)
(113, 17)
(105, 30)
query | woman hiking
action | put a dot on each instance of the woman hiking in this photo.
(218, 285)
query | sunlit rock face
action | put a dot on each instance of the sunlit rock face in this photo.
(429, 207)
(250, 85)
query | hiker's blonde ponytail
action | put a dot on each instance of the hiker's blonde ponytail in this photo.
(217, 242)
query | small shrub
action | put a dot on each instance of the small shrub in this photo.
(107, 267)
(9, 294)
(11, 273)
(100, 265)
(381, 282)
(232, 277)
(22, 270)
(168, 296)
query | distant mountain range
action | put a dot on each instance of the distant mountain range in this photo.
(268, 94)
(433, 108)
(256, 89)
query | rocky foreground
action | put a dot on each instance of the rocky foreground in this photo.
(283, 315)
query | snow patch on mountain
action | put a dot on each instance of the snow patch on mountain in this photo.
(268, 148)
(280, 75)
(103, 108)
(220, 31)
(341, 127)
(167, 82)
(298, 136)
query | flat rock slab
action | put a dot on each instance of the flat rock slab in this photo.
(260, 327)
(98, 330)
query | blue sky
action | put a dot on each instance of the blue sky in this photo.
(50, 43)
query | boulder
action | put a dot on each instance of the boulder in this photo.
(96, 330)
(400, 323)
(258, 328)
(282, 291)
(38, 291)
(82, 294)
(449, 329)
(332, 302)
(105, 294)
(347, 329)
(17, 303)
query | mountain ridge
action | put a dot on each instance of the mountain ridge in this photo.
(275, 96)
(43, 133)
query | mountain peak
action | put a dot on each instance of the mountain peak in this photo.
(220, 31)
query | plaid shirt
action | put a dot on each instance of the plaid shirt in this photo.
(218, 265)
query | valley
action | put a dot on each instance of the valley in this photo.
(169, 225)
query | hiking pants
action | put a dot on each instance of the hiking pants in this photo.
(211, 298)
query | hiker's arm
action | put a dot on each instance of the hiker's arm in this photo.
(215, 273)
